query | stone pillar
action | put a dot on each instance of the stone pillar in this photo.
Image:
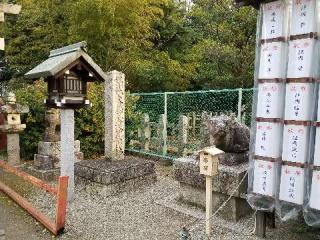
(183, 134)
(162, 134)
(115, 116)
(67, 148)
(13, 149)
(146, 132)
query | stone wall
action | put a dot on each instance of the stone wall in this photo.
(192, 187)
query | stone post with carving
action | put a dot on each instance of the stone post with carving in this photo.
(115, 116)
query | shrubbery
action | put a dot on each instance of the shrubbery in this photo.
(89, 122)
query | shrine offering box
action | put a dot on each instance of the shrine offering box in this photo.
(299, 101)
(272, 60)
(268, 139)
(264, 178)
(295, 143)
(270, 100)
(292, 184)
(273, 15)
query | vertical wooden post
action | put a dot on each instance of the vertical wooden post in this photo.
(261, 224)
(208, 205)
(61, 208)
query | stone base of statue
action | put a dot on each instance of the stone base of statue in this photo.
(109, 178)
(225, 185)
(48, 156)
(46, 164)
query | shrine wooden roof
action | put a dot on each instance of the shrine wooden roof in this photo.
(62, 58)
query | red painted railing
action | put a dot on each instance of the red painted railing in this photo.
(61, 194)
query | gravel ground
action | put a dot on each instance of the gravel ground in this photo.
(129, 215)
(142, 214)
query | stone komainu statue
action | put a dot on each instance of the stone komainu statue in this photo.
(52, 133)
(227, 134)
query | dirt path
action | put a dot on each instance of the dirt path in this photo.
(17, 224)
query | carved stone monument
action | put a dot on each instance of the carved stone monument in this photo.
(115, 116)
(12, 127)
(114, 173)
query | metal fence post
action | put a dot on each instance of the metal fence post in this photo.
(239, 104)
(165, 126)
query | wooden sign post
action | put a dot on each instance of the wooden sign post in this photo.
(209, 163)
(6, 8)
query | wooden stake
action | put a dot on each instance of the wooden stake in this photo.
(208, 205)
(261, 224)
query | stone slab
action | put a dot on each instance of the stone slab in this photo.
(226, 183)
(53, 148)
(187, 171)
(98, 189)
(235, 209)
(113, 172)
(43, 162)
(46, 175)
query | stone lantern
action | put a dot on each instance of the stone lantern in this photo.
(67, 72)
(12, 127)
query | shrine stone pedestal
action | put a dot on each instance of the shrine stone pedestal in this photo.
(193, 187)
(46, 164)
(115, 173)
(48, 156)
(112, 177)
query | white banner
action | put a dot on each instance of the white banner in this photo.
(303, 17)
(317, 148)
(292, 184)
(272, 22)
(301, 56)
(268, 139)
(272, 64)
(299, 99)
(270, 100)
(295, 143)
(315, 191)
(264, 174)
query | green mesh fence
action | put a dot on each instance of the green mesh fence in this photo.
(171, 124)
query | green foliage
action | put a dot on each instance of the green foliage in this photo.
(156, 43)
(224, 56)
(89, 122)
(32, 96)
